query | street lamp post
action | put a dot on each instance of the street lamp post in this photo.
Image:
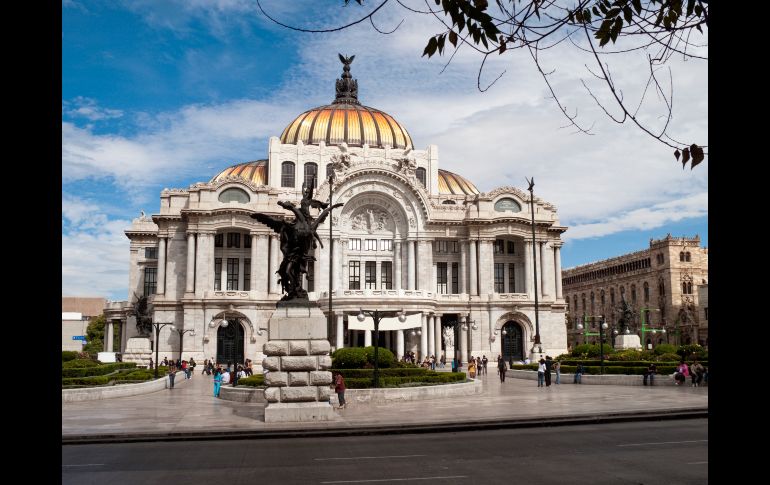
(157, 326)
(377, 316)
(181, 333)
(644, 325)
(534, 258)
(329, 321)
(600, 334)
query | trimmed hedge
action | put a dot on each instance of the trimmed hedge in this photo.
(255, 380)
(79, 363)
(661, 349)
(392, 372)
(86, 381)
(638, 363)
(430, 379)
(608, 369)
(67, 355)
(361, 357)
(98, 370)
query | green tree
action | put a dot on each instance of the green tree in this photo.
(656, 29)
(95, 335)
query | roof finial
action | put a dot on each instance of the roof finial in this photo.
(347, 87)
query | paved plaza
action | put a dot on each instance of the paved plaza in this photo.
(191, 410)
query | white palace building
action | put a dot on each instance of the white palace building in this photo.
(410, 236)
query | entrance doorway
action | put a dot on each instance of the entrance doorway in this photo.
(512, 342)
(230, 343)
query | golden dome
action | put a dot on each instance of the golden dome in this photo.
(255, 172)
(346, 120)
(353, 124)
(451, 183)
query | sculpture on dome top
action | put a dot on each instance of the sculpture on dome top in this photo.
(347, 87)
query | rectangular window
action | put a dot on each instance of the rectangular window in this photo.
(354, 278)
(233, 240)
(218, 240)
(706, 313)
(370, 274)
(354, 244)
(499, 246)
(455, 246)
(150, 281)
(370, 244)
(387, 275)
(247, 274)
(511, 278)
(499, 278)
(455, 278)
(218, 274)
(232, 273)
(441, 278)
(247, 241)
(442, 246)
(511, 247)
(151, 253)
(386, 245)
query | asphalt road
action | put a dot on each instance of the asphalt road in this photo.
(654, 452)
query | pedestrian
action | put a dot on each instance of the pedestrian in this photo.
(442, 362)
(192, 367)
(541, 373)
(217, 382)
(681, 374)
(697, 373)
(472, 368)
(237, 375)
(454, 364)
(339, 388)
(165, 361)
(501, 368)
(578, 373)
(478, 366)
(151, 367)
(484, 362)
(557, 368)
(171, 376)
(649, 374)
(548, 368)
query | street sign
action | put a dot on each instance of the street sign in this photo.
(78, 337)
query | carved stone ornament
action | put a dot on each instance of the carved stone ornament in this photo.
(370, 220)
(411, 222)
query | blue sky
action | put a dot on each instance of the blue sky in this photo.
(166, 93)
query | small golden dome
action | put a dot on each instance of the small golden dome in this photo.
(255, 172)
(452, 184)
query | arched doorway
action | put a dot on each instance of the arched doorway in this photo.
(230, 342)
(512, 342)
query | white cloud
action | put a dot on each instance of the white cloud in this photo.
(81, 107)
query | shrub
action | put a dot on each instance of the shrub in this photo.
(97, 370)
(627, 355)
(392, 372)
(430, 378)
(580, 350)
(79, 363)
(68, 355)
(86, 381)
(563, 357)
(669, 357)
(385, 356)
(661, 349)
(252, 381)
(685, 351)
(361, 357)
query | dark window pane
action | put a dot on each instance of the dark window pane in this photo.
(354, 279)
(150, 281)
(441, 278)
(287, 174)
(247, 274)
(387, 275)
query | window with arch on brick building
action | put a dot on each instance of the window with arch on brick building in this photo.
(646, 289)
(633, 294)
(681, 256)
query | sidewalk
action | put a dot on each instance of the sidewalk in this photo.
(190, 411)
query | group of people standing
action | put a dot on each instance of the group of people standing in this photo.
(544, 369)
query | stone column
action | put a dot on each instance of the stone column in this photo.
(485, 262)
(431, 337)
(463, 265)
(424, 336)
(161, 285)
(387, 338)
(528, 278)
(411, 267)
(337, 269)
(557, 272)
(397, 266)
(425, 279)
(463, 341)
(340, 331)
(190, 276)
(546, 256)
(367, 338)
(210, 262)
(473, 268)
(201, 267)
(539, 271)
(223, 267)
(254, 263)
(399, 344)
(110, 336)
(260, 258)
(437, 334)
(272, 277)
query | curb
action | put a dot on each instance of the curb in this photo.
(477, 425)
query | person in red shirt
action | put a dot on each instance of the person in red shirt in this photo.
(339, 388)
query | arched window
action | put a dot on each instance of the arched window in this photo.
(684, 287)
(311, 174)
(661, 288)
(593, 306)
(601, 298)
(622, 293)
(449, 202)
(583, 297)
(574, 300)
(687, 256)
(287, 174)
(507, 204)
(681, 256)
(646, 292)
(566, 300)
(420, 172)
(234, 195)
(633, 294)
(612, 296)
(329, 170)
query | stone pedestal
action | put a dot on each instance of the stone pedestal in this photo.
(298, 363)
(536, 353)
(627, 341)
(138, 350)
(450, 353)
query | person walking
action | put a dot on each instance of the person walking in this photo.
(541, 373)
(548, 368)
(171, 376)
(557, 369)
(225, 377)
(484, 362)
(578, 373)
(472, 368)
(217, 382)
(339, 388)
(192, 367)
(501, 368)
